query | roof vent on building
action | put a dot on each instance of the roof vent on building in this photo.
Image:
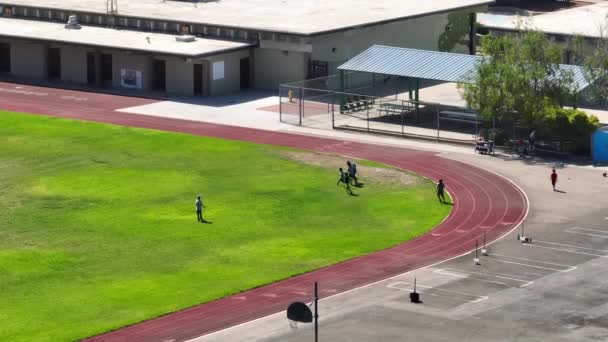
(185, 39)
(72, 23)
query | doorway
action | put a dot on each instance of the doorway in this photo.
(91, 68)
(245, 73)
(54, 63)
(106, 69)
(5, 57)
(198, 79)
(159, 74)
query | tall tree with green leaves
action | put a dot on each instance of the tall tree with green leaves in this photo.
(593, 55)
(519, 75)
(457, 31)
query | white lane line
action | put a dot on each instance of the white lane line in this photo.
(573, 246)
(572, 231)
(570, 248)
(497, 275)
(528, 265)
(536, 261)
(443, 272)
(590, 230)
(567, 250)
(410, 287)
(568, 268)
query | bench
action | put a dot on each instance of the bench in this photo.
(355, 103)
(458, 116)
(391, 108)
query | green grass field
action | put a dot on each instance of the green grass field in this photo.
(98, 229)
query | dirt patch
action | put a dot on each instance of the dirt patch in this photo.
(367, 174)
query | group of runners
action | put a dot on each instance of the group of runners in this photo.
(349, 176)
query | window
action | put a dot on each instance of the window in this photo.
(318, 69)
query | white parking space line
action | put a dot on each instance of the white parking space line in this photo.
(443, 293)
(588, 232)
(567, 268)
(569, 248)
(591, 230)
(450, 271)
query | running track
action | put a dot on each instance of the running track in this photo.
(484, 202)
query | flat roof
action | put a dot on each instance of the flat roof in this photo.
(115, 39)
(304, 17)
(588, 21)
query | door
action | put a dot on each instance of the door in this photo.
(5, 57)
(54, 63)
(245, 73)
(160, 75)
(106, 69)
(198, 79)
(91, 68)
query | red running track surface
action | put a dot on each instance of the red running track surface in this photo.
(484, 203)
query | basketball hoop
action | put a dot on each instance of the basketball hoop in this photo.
(298, 312)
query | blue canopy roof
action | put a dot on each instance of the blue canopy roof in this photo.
(430, 65)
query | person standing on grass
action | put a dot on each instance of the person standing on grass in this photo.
(199, 209)
(352, 172)
(553, 179)
(440, 189)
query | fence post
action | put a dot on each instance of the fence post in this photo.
(402, 118)
(437, 111)
(331, 93)
(280, 105)
(367, 113)
(301, 109)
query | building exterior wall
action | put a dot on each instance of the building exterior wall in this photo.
(73, 64)
(417, 33)
(276, 61)
(179, 77)
(27, 59)
(231, 82)
(125, 60)
(273, 67)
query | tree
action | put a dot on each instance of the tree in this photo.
(593, 54)
(457, 31)
(519, 75)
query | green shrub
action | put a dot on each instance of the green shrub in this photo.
(569, 125)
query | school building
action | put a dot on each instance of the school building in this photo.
(210, 48)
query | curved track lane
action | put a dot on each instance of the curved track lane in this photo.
(484, 203)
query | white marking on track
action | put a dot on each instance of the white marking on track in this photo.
(444, 293)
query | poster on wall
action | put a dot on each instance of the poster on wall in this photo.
(218, 70)
(130, 78)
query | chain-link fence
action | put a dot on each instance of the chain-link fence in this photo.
(375, 103)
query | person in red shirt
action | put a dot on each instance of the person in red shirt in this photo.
(553, 179)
